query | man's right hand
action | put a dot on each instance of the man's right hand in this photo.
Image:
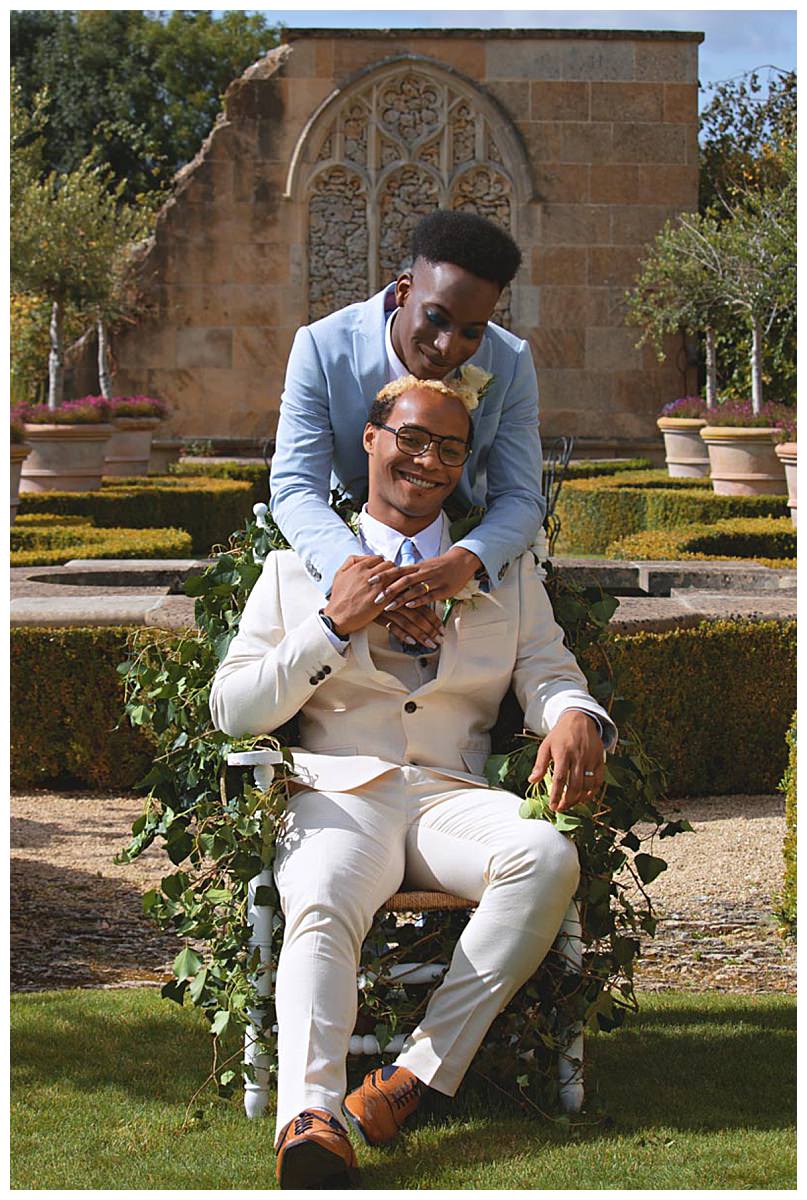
(357, 598)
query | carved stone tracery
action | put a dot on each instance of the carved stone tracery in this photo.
(406, 140)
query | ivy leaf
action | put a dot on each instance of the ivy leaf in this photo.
(631, 841)
(649, 868)
(186, 964)
(197, 985)
(264, 896)
(673, 827)
(220, 1022)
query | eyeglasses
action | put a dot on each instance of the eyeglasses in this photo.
(414, 440)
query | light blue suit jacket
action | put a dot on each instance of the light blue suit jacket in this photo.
(336, 367)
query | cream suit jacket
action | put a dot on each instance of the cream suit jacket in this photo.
(356, 721)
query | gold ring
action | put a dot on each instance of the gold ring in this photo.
(425, 585)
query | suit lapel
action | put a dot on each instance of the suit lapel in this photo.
(369, 354)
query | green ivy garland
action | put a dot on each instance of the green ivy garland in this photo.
(219, 831)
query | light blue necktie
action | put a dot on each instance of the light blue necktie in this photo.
(407, 557)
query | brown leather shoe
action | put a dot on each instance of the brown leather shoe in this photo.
(378, 1108)
(314, 1151)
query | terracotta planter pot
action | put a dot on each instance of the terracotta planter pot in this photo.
(743, 461)
(128, 451)
(19, 453)
(686, 452)
(64, 458)
(786, 453)
(163, 453)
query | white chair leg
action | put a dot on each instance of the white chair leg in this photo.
(261, 918)
(569, 944)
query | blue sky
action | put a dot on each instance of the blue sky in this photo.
(737, 39)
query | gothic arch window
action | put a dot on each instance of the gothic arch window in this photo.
(403, 139)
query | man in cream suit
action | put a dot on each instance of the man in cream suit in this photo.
(433, 322)
(391, 786)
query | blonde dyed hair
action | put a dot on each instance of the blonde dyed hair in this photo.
(391, 391)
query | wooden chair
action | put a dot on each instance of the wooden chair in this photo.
(568, 944)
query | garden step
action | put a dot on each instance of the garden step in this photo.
(80, 610)
(128, 572)
(658, 578)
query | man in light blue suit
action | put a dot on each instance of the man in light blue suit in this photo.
(433, 323)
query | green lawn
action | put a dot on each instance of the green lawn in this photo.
(700, 1092)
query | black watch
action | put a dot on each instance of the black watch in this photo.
(342, 637)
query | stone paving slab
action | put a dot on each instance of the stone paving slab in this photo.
(78, 610)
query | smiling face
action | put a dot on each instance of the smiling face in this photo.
(443, 311)
(407, 492)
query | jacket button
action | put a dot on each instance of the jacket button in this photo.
(313, 679)
(410, 706)
(326, 670)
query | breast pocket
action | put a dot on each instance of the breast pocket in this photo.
(489, 629)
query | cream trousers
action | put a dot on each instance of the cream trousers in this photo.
(342, 854)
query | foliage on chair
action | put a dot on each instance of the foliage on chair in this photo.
(219, 832)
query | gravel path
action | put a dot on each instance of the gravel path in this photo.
(76, 918)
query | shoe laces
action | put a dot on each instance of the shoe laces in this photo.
(306, 1119)
(404, 1093)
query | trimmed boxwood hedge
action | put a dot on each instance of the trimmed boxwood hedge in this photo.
(209, 509)
(768, 540)
(587, 468)
(254, 473)
(47, 542)
(786, 911)
(593, 512)
(67, 725)
(712, 701)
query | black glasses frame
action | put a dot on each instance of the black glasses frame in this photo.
(434, 439)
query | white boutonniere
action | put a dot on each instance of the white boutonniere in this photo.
(471, 383)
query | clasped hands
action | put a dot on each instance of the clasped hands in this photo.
(370, 588)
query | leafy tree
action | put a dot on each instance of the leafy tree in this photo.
(69, 234)
(678, 287)
(141, 89)
(745, 129)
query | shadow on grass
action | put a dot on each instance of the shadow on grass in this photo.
(151, 1050)
(715, 1063)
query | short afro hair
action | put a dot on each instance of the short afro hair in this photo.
(468, 240)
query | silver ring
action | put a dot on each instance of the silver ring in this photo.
(589, 774)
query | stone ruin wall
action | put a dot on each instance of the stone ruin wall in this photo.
(329, 149)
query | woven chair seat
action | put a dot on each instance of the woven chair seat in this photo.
(425, 902)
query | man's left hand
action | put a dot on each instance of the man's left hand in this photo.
(433, 579)
(574, 747)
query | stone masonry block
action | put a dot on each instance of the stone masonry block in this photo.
(559, 264)
(562, 388)
(526, 305)
(559, 101)
(662, 184)
(569, 306)
(612, 265)
(611, 349)
(507, 59)
(592, 59)
(542, 140)
(586, 142)
(638, 223)
(576, 224)
(611, 184)
(303, 97)
(561, 182)
(648, 143)
(558, 347)
(626, 102)
(154, 346)
(667, 62)
(512, 95)
(200, 347)
(262, 347)
(248, 262)
(465, 56)
(681, 103)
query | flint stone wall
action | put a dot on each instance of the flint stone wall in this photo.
(328, 149)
